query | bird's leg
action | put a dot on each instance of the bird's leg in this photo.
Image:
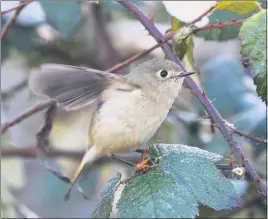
(143, 162)
(122, 160)
(143, 153)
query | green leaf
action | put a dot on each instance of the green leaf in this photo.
(227, 11)
(176, 23)
(63, 15)
(239, 7)
(183, 43)
(180, 49)
(104, 206)
(253, 36)
(184, 177)
(190, 50)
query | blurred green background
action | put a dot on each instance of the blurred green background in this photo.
(99, 36)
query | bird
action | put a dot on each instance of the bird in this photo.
(125, 110)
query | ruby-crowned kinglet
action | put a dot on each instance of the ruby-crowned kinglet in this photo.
(126, 110)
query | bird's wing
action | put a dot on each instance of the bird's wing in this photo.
(74, 87)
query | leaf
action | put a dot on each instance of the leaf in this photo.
(183, 43)
(254, 44)
(64, 16)
(228, 11)
(190, 50)
(180, 49)
(176, 23)
(104, 205)
(235, 6)
(184, 177)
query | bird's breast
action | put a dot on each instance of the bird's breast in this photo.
(126, 121)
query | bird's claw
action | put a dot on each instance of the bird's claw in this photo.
(143, 164)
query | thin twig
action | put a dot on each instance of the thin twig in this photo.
(221, 25)
(38, 107)
(121, 65)
(122, 160)
(203, 15)
(43, 134)
(22, 4)
(250, 136)
(133, 58)
(212, 111)
(247, 135)
(17, 87)
(13, 19)
(32, 152)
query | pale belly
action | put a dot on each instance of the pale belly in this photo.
(121, 125)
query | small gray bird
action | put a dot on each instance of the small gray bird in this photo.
(125, 110)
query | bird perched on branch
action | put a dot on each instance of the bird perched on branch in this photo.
(125, 110)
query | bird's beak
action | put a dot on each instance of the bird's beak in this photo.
(184, 74)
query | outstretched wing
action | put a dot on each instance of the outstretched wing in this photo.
(73, 87)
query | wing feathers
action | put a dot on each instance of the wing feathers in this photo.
(73, 87)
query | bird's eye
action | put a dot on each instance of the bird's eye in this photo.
(163, 73)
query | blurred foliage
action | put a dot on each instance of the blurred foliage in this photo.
(16, 36)
(58, 18)
(254, 45)
(228, 11)
(69, 33)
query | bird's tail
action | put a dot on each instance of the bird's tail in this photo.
(89, 157)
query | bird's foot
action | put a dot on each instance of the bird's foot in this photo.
(143, 164)
(143, 153)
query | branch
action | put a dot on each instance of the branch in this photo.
(250, 136)
(215, 115)
(16, 88)
(221, 25)
(22, 4)
(203, 15)
(13, 19)
(247, 135)
(43, 134)
(32, 152)
(115, 68)
(38, 107)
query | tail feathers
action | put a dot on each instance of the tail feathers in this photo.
(90, 156)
